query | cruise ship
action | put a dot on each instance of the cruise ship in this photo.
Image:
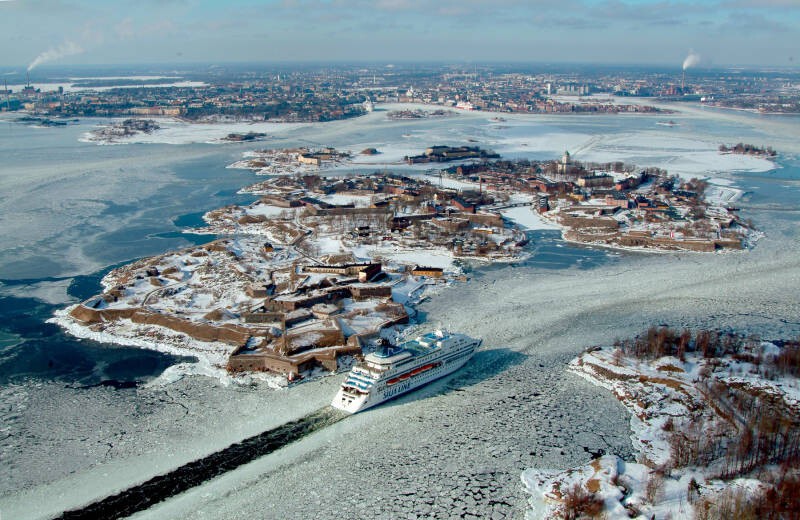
(395, 370)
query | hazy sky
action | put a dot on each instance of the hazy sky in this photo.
(722, 32)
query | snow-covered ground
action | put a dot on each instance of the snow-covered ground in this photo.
(460, 445)
(175, 131)
(359, 201)
(682, 150)
(431, 258)
(681, 156)
(265, 210)
(455, 446)
(663, 395)
(443, 181)
(528, 218)
(512, 407)
(72, 87)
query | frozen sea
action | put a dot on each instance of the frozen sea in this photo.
(79, 419)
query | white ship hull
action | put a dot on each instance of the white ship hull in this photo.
(398, 381)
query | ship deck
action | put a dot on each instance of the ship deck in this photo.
(406, 351)
(418, 349)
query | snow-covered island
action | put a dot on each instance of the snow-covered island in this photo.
(317, 268)
(310, 275)
(244, 137)
(748, 149)
(621, 205)
(291, 160)
(399, 115)
(122, 130)
(714, 420)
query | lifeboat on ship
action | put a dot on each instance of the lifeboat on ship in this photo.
(407, 375)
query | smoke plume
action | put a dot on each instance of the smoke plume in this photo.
(691, 60)
(68, 48)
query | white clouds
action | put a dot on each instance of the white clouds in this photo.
(124, 29)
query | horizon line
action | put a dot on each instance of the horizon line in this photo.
(406, 63)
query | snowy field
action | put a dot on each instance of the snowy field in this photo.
(528, 218)
(665, 396)
(86, 186)
(680, 149)
(513, 407)
(460, 445)
(456, 446)
(679, 155)
(72, 87)
(174, 131)
(433, 258)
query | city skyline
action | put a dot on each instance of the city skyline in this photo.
(728, 32)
